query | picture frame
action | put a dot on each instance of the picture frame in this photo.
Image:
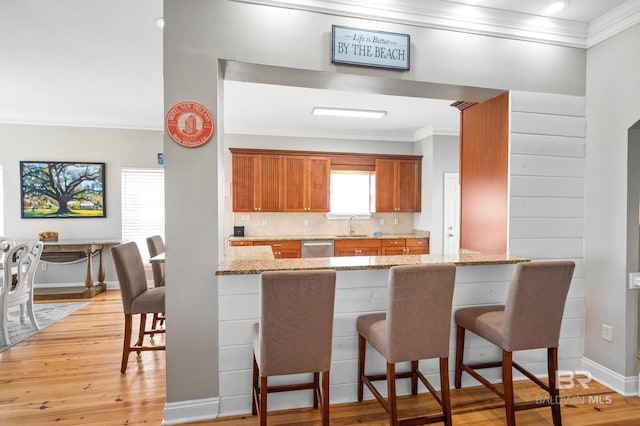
(57, 189)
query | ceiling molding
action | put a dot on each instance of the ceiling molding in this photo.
(611, 23)
(498, 23)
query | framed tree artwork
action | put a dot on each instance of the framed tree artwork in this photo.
(53, 189)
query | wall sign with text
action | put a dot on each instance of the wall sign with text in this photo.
(189, 124)
(369, 48)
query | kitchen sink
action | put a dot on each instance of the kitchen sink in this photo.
(352, 236)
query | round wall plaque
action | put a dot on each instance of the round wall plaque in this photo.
(189, 124)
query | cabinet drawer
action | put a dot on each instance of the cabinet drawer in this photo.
(357, 243)
(241, 243)
(417, 242)
(398, 242)
(280, 244)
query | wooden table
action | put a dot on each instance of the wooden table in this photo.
(71, 250)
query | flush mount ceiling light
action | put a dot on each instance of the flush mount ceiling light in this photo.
(160, 23)
(345, 112)
(556, 7)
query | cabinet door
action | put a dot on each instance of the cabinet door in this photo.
(306, 183)
(356, 248)
(243, 182)
(269, 186)
(408, 187)
(385, 185)
(398, 185)
(257, 183)
(319, 174)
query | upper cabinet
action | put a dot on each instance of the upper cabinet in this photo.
(398, 185)
(257, 183)
(299, 181)
(306, 183)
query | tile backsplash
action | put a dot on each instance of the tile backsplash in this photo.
(313, 224)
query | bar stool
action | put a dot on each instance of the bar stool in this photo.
(294, 335)
(530, 319)
(416, 325)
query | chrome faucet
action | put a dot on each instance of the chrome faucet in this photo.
(357, 223)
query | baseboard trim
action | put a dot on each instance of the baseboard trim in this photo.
(191, 411)
(626, 386)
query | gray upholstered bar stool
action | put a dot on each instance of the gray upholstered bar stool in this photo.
(530, 319)
(155, 244)
(137, 299)
(294, 335)
(416, 325)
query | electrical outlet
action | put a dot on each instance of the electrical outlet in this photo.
(245, 217)
(607, 332)
(395, 221)
(306, 222)
(381, 221)
(264, 222)
(43, 266)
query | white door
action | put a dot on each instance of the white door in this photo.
(451, 237)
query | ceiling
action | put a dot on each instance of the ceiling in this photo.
(99, 63)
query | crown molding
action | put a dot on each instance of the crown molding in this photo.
(478, 20)
(613, 22)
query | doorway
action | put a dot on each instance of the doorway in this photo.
(633, 218)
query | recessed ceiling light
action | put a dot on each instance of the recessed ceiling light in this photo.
(556, 7)
(345, 112)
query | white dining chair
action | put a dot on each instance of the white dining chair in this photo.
(21, 261)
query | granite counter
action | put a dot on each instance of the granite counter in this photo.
(247, 265)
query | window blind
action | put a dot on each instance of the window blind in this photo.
(142, 206)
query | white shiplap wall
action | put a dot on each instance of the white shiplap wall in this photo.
(546, 219)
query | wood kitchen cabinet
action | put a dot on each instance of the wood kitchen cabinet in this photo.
(306, 183)
(257, 183)
(402, 246)
(357, 247)
(398, 185)
(417, 246)
(284, 249)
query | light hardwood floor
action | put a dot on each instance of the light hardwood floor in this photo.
(69, 374)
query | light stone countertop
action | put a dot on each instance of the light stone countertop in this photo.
(424, 234)
(237, 266)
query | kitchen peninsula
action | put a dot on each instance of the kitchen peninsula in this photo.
(361, 287)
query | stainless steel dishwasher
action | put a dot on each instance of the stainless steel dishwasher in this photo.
(317, 248)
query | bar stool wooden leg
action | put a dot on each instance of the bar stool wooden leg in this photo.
(256, 383)
(325, 398)
(554, 392)
(362, 342)
(126, 349)
(507, 381)
(444, 390)
(316, 388)
(391, 392)
(414, 377)
(459, 356)
(263, 401)
(143, 324)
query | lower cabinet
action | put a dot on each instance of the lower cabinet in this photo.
(284, 249)
(402, 246)
(357, 248)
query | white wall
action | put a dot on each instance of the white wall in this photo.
(197, 34)
(116, 148)
(613, 69)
